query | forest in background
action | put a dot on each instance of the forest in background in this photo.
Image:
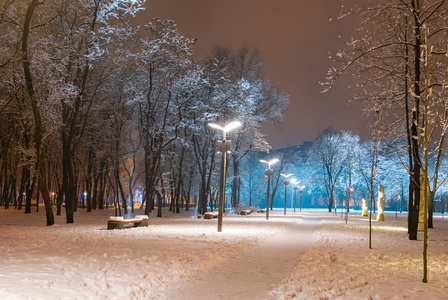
(90, 111)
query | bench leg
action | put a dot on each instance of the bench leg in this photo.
(115, 226)
(143, 223)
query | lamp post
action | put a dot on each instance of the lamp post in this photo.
(295, 188)
(285, 183)
(301, 192)
(268, 173)
(224, 148)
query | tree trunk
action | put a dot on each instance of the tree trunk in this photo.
(159, 204)
(12, 195)
(23, 181)
(235, 181)
(121, 192)
(102, 182)
(430, 208)
(131, 179)
(29, 191)
(7, 184)
(88, 179)
(96, 177)
(190, 181)
(202, 205)
(179, 180)
(415, 206)
(68, 179)
(38, 127)
(147, 175)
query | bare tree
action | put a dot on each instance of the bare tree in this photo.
(387, 57)
(332, 156)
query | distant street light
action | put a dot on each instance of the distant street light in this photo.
(268, 173)
(285, 183)
(295, 188)
(224, 148)
(301, 192)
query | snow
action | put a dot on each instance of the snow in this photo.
(307, 255)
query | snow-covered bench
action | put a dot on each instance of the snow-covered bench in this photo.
(121, 223)
(210, 214)
(245, 212)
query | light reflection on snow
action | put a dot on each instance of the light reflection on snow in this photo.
(391, 228)
(381, 228)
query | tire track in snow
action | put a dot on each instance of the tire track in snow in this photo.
(254, 273)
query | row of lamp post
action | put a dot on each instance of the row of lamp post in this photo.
(268, 173)
(295, 188)
(285, 183)
(224, 148)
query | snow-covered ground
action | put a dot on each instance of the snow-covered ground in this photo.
(340, 265)
(309, 255)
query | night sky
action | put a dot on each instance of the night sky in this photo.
(294, 38)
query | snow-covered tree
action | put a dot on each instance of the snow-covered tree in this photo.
(398, 58)
(165, 80)
(331, 152)
(255, 100)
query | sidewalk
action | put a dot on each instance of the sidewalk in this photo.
(251, 274)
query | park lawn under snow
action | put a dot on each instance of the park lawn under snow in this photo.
(86, 261)
(340, 265)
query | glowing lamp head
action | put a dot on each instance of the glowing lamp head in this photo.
(286, 175)
(269, 162)
(225, 127)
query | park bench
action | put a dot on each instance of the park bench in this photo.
(245, 212)
(121, 223)
(210, 214)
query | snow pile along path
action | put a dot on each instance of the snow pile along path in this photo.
(253, 273)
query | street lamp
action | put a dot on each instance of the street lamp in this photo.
(224, 148)
(285, 183)
(301, 192)
(268, 173)
(295, 188)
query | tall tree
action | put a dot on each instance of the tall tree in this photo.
(38, 122)
(387, 58)
(165, 74)
(332, 156)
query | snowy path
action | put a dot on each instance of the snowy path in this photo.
(180, 257)
(251, 274)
